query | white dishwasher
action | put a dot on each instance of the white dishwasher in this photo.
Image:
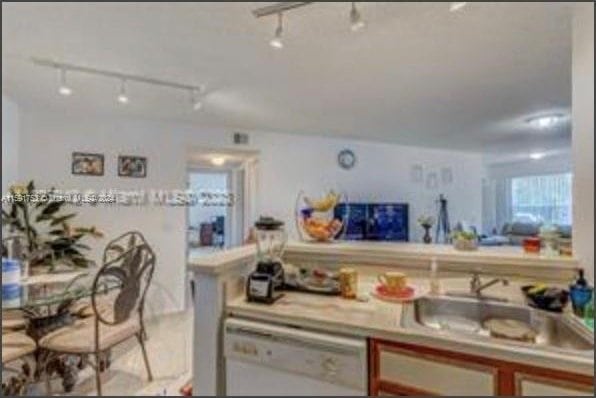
(265, 359)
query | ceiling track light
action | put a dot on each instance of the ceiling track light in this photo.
(218, 160)
(122, 96)
(195, 90)
(545, 121)
(277, 41)
(195, 99)
(64, 89)
(457, 5)
(356, 21)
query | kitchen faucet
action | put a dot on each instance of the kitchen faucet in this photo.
(476, 285)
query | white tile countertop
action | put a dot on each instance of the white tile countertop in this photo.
(378, 319)
(507, 259)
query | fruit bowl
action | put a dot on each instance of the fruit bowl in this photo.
(316, 219)
(320, 229)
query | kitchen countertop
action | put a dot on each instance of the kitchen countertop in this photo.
(505, 259)
(378, 319)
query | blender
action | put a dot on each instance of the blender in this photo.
(265, 283)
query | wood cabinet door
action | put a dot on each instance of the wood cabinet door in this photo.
(401, 371)
(407, 369)
(533, 386)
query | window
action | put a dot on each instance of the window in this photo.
(545, 199)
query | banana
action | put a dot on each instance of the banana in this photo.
(327, 203)
(538, 288)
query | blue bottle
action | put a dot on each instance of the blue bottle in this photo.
(580, 293)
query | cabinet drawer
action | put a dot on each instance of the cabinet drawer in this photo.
(435, 375)
(529, 385)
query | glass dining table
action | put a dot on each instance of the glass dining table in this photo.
(48, 302)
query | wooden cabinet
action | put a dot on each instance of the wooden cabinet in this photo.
(406, 369)
(536, 386)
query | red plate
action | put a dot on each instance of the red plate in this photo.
(405, 293)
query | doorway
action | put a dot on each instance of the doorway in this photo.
(209, 218)
(224, 183)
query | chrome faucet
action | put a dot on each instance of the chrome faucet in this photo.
(476, 285)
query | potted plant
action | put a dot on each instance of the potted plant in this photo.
(426, 222)
(50, 238)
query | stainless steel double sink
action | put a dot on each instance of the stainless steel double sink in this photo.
(465, 317)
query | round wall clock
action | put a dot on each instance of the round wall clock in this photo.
(346, 159)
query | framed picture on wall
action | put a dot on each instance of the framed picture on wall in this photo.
(132, 166)
(87, 164)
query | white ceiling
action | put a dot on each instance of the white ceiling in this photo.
(417, 74)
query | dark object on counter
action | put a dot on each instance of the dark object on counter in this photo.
(264, 284)
(581, 280)
(268, 223)
(443, 231)
(550, 299)
(581, 293)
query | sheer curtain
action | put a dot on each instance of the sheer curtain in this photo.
(541, 198)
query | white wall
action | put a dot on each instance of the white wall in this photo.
(583, 134)
(47, 141)
(287, 164)
(10, 142)
(290, 163)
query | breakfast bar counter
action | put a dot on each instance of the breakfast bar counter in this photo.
(220, 280)
(374, 318)
(500, 259)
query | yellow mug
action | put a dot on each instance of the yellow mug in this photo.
(393, 281)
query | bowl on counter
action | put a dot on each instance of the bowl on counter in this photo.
(551, 299)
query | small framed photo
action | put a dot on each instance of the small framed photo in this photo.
(446, 175)
(416, 173)
(87, 164)
(132, 166)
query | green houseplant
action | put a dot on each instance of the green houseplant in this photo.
(49, 236)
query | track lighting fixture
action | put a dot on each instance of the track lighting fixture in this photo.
(195, 100)
(196, 91)
(64, 89)
(277, 42)
(122, 96)
(356, 22)
(457, 5)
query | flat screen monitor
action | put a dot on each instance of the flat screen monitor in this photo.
(375, 221)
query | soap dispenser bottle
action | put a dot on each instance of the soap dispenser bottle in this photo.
(580, 293)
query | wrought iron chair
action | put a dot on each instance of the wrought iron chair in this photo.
(16, 346)
(118, 300)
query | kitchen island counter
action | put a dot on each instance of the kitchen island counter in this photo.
(382, 320)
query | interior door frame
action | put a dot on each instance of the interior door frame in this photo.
(228, 172)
